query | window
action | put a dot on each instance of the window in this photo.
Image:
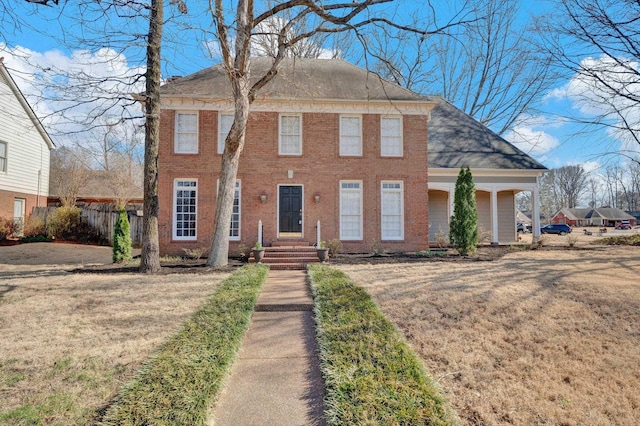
(290, 135)
(186, 137)
(350, 210)
(350, 135)
(185, 209)
(224, 126)
(3, 157)
(234, 233)
(392, 208)
(234, 230)
(391, 136)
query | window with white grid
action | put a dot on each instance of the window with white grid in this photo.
(351, 135)
(350, 210)
(392, 208)
(224, 126)
(234, 232)
(234, 229)
(185, 215)
(186, 135)
(391, 136)
(290, 135)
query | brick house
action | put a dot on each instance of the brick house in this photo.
(601, 216)
(327, 142)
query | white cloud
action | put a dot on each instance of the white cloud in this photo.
(530, 137)
(72, 92)
(598, 96)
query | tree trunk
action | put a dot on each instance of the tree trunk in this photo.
(219, 252)
(150, 257)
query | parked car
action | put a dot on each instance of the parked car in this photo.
(625, 224)
(523, 227)
(556, 228)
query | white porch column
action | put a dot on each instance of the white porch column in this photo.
(259, 232)
(494, 217)
(535, 220)
(451, 193)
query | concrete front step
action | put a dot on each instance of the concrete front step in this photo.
(291, 243)
(289, 257)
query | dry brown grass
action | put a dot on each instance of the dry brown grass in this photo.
(537, 337)
(69, 341)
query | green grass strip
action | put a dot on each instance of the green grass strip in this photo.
(178, 384)
(371, 375)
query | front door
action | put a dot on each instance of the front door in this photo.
(290, 203)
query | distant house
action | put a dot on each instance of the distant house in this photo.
(98, 188)
(25, 147)
(331, 143)
(601, 216)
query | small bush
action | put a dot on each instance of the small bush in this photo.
(335, 247)
(122, 238)
(377, 248)
(34, 227)
(194, 253)
(442, 239)
(64, 222)
(6, 228)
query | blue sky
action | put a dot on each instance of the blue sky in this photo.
(547, 137)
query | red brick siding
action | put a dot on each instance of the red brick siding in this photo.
(7, 201)
(319, 170)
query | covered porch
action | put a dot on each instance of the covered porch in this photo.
(496, 201)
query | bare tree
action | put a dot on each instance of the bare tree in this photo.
(489, 67)
(597, 43)
(68, 174)
(571, 182)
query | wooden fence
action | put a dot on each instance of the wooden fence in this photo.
(103, 220)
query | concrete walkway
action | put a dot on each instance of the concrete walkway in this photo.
(276, 379)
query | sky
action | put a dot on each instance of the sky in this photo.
(547, 137)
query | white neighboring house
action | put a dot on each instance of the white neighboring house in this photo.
(25, 150)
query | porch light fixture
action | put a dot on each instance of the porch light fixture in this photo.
(316, 197)
(263, 197)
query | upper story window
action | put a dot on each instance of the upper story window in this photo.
(186, 137)
(391, 136)
(224, 126)
(351, 135)
(3, 157)
(290, 134)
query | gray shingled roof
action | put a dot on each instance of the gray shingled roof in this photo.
(297, 78)
(456, 140)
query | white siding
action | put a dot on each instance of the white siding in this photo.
(438, 213)
(27, 151)
(483, 201)
(506, 217)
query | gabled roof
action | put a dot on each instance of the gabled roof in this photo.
(455, 139)
(4, 74)
(608, 213)
(297, 79)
